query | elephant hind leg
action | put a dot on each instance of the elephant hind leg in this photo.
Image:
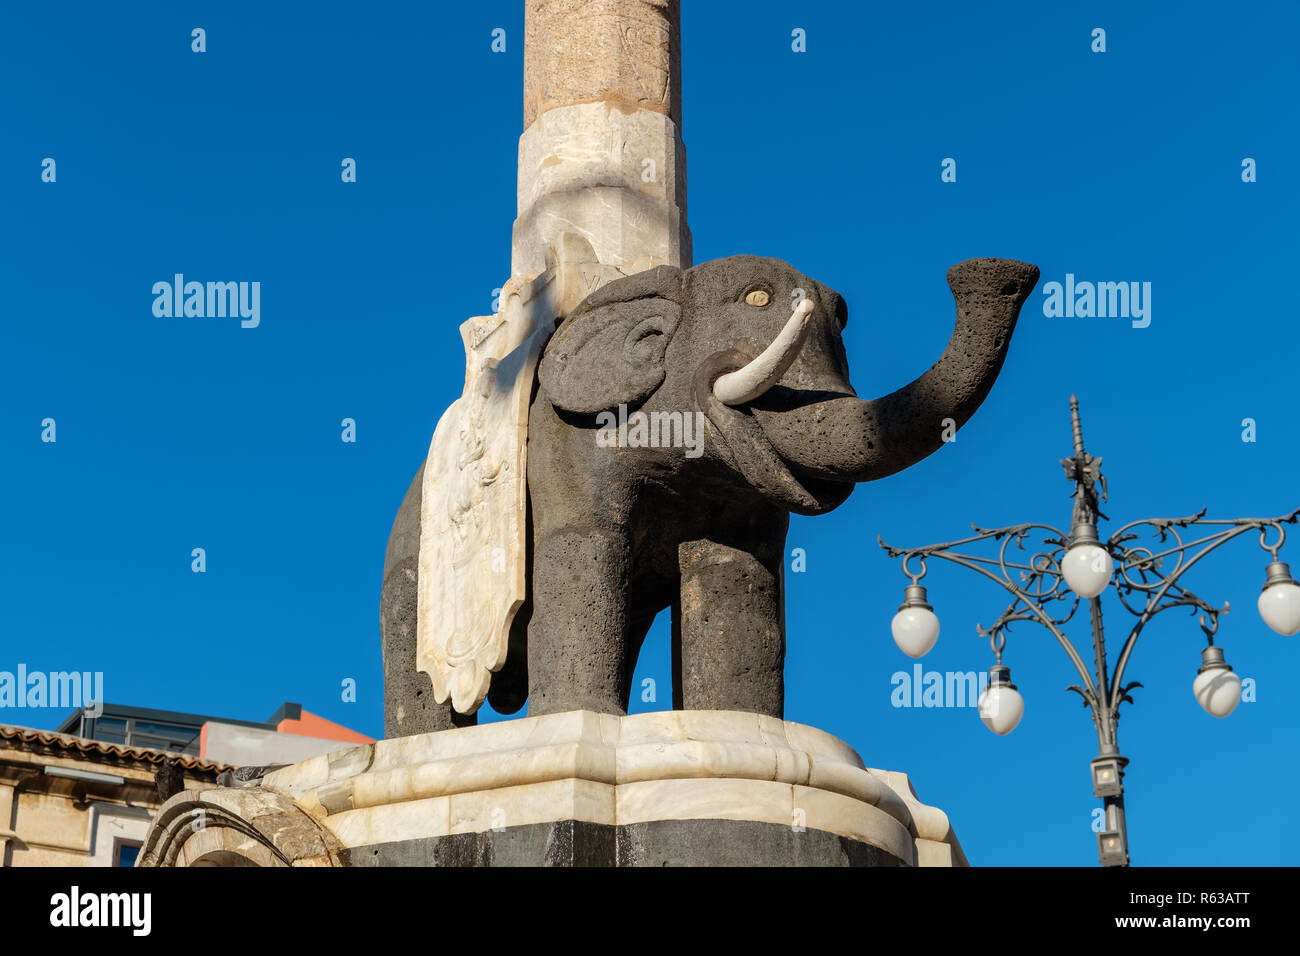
(731, 631)
(508, 691)
(409, 707)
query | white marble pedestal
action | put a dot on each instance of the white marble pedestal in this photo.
(670, 788)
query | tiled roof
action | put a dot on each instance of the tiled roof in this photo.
(23, 738)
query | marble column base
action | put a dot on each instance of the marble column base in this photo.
(670, 788)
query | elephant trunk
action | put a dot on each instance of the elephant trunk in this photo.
(842, 438)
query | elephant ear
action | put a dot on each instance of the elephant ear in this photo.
(610, 350)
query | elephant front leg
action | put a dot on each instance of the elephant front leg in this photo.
(731, 630)
(577, 638)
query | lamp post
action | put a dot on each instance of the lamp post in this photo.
(1079, 568)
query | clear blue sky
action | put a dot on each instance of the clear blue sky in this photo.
(183, 433)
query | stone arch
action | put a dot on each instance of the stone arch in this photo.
(247, 826)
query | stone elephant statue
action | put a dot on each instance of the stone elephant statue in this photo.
(680, 416)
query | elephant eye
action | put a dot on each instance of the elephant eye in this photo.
(758, 298)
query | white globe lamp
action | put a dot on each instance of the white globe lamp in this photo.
(1001, 706)
(1279, 602)
(1216, 687)
(1087, 566)
(915, 627)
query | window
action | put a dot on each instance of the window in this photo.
(160, 736)
(148, 734)
(125, 853)
(111, 730)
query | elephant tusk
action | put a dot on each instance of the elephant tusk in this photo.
(748, 383)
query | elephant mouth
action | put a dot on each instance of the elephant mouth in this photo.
(748, 449)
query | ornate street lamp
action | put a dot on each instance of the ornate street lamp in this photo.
(1080, 567)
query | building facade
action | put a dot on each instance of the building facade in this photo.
(84, 795)
(69, 801)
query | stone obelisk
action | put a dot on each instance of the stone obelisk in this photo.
(601, 194)
(602, 168)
